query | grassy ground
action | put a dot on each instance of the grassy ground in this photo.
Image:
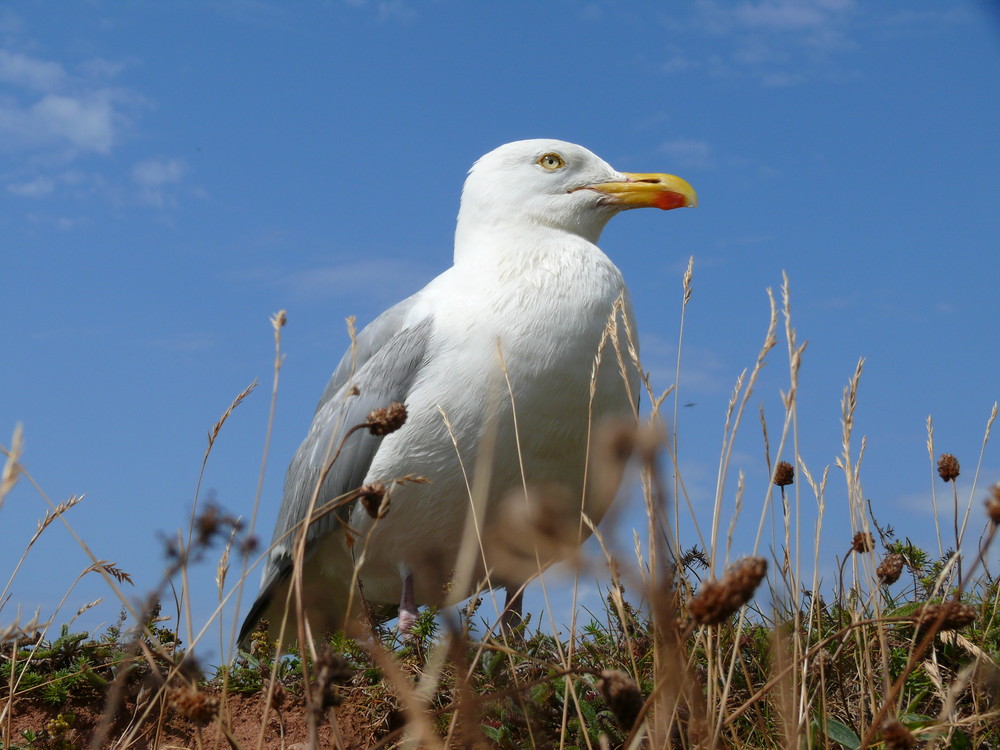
(900, 651)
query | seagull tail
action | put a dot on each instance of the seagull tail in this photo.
(326, 600)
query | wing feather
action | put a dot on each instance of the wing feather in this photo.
(389, 355)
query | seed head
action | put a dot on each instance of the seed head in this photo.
(951, 614)
(371, 495)
(896, 736)
(278, 696)
(612, 447)
(863, 541)
(622, 696)
(212, 522)
(890, 568)
(332, 670)
(534, 526)
(823, 661)
(993, 504)
(249, 545)
(387, 419)
(948, 467)
(717, 600)
(193, 704)
(784, 474)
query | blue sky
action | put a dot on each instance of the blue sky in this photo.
(172, 174)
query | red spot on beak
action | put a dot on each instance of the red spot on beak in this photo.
(667, 200)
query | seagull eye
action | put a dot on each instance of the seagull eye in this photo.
(551, 161)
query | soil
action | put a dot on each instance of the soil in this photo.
(167, 729)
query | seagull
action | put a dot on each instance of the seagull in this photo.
(499, 357)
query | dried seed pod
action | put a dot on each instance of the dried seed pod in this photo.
(896, 736)
(950, 615)
(784, 474)
(822, 662)
(863, 541)
(332, 670)
(278, 696)
(193, 704)
(717, 600)
(889, 570)
(622, 696)
(948, 467)
(612, 447)
(387, 419)
(531, 529)
(371, 496)
(993, 504)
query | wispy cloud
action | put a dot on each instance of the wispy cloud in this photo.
(42, 185)
(33, 188)
(688, 152)
(29, 72)
(158, 178)
(45, 108)
(775, 42)
(780, 43)
(81, 122)
(388, 10)
(396, 10)
(56, 113)
(791, 15)
(381, 278)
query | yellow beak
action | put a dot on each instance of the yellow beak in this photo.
(649, 190)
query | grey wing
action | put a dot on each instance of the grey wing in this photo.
(372, 338)
(386, 374)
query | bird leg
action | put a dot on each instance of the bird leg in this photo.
(407, 605)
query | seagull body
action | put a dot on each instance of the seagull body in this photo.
(493, 359)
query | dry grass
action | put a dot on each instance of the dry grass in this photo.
(690, 650)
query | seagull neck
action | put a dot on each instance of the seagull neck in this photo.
(504, 241)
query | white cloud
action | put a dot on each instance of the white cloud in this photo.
(44, 108)
(776, 42)
(387, 278)
(791, 15)
(389, 10)
(33, 188)
(395, 10)
(43, 185)
(155, 173)
(779, 80)
(156, 177)
(688, 152)
(80, 124)
(86, 122)
(29, 72)
(101, 68)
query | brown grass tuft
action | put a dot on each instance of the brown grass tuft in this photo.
(950, 615)
(993, 504)
(863, 541)
(784, 474)
(889, 570)
(948, 468)
(622, 695)
(717, 600)
(372, 496)
(386, 419)
(896, 736)
(193, 704)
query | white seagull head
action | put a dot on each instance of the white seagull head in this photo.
(550, 183)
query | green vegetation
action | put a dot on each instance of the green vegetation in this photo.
(900, 649)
